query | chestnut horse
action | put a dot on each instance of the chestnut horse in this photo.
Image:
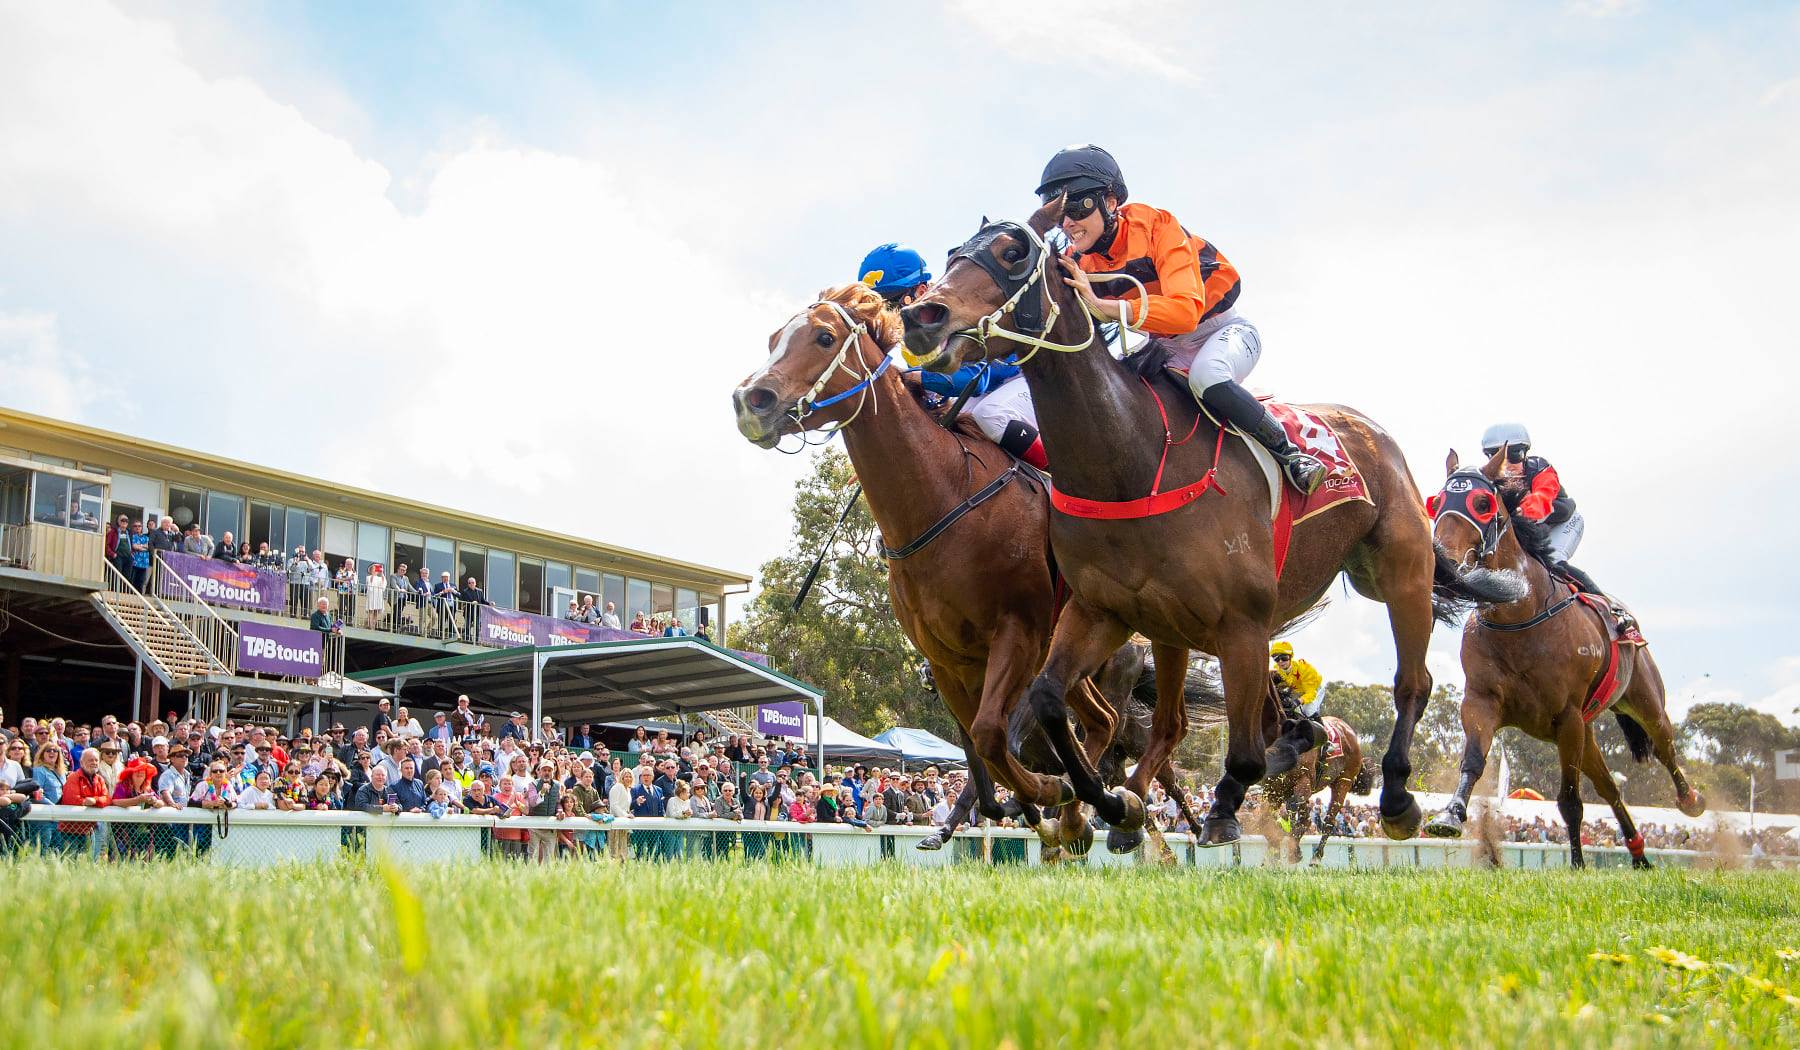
(1343, 773)
(1531, 662)
(979, 604)
(1201, 576)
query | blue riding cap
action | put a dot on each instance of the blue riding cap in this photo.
(893, 268)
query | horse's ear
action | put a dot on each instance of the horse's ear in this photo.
(1495, 464)
(1049, 216)
(1451, 462)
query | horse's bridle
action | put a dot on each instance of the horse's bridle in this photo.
(1034, 315)
(1469, 495)
(806, 406)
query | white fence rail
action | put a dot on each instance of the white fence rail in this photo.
(265, 837)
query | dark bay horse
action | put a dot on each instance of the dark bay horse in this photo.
(1201, 576)
(979, 603)
(1531, 662)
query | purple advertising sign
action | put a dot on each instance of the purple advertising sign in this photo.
(224, 583)
(270, 649)
(509, 627)
(783, 719)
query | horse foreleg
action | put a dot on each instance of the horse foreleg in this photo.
(1571, 742)
(959, 815)
(1480, 717)
(1243, 668)
(1169, 725)
(1340, 790)
(1409, 615)
(1084, 640)
(1594, 765)
(1012, 660)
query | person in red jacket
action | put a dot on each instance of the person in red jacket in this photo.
(1544, 501)
(1139, 266)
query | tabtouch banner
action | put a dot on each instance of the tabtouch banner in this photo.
(270, 649)
(783, 719)
(225, 583)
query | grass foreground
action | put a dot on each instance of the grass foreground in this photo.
(723, 955)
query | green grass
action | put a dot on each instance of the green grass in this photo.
(704, 955)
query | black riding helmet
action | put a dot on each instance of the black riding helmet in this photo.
(1088, 174)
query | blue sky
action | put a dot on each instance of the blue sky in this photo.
(572, 226)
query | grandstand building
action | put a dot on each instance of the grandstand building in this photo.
(80, 637)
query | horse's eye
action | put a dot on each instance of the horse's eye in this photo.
(825, 338)
(1013, 254)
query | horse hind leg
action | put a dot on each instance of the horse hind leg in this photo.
(1402, 580)
(1340, 790)
(1644, 702)
(1594, 765)
(1012, 658)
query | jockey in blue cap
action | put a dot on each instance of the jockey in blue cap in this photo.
(1000, 402)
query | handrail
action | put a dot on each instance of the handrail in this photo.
(117, 581)
(221, 639)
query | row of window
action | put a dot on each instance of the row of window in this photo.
(511, 580)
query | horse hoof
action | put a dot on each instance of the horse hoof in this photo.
(1641, 863)
(1445, 825)
(1692, 805)
(1404, 824)
(1118, 841)
(1078, 841)
(930, 843)
(1134, 810)
(1220, 831)
(1050, 854)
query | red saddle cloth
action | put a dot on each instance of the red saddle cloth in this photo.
(1606, 688)
(1334, 742)
(1343, 482)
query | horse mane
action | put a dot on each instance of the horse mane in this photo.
(1148, 360)
(1534, 536)
(866, 305)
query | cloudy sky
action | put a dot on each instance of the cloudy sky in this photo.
(512, 258)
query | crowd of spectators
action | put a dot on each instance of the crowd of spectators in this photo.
(454, 762)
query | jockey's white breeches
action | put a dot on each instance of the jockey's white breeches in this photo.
(1005, 403)
(1223, 349)
(1566, 537)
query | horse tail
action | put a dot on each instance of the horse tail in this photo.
(1201, 692)
(1454, 591)
(1365, 778)
(1634, 735)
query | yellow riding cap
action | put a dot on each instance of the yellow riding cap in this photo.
(1282, 649)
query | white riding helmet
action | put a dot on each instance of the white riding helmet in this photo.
(1513, 434)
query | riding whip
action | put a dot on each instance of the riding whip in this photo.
(812, 574)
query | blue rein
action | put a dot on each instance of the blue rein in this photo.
(811, 407)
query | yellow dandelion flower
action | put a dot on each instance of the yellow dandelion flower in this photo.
(1788, 954)
(1678, 960)
(1660, 1019)
(1609, 957)
(1507, 985)
(1761, 985)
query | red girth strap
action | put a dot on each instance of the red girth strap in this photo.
(1602, 693)
(1157, 502)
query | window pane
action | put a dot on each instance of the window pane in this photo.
(500, 578)
(587, 581)
(557, 574)
(687, 608)
(268, 525)
(472, 561)
(184, 506)
(371, 547)
(637, 600)
(49, 499)
(340, 539)
(302, 530)
(612, 589)
(440, 557)
(409, 550)
(224, 513)
(15, 494)
(662, 599)
(531, 585)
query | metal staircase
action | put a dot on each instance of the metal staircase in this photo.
(163, 638)
(728, 722)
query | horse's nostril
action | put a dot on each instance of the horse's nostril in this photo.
(760, 399)
(928, 315)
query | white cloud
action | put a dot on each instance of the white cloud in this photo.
(42, 375)
(1606, 8)
(1100, 38)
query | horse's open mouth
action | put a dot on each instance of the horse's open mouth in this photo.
(946, 358)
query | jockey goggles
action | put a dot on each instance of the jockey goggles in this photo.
(1082, 198)
(1514, 453)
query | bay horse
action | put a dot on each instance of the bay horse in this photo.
(1542, 661)
(981, 606)
(1201, 575)
(1343, 773)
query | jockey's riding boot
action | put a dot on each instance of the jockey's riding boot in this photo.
(1022, 440)
(1232, 403)
(1582, 580)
